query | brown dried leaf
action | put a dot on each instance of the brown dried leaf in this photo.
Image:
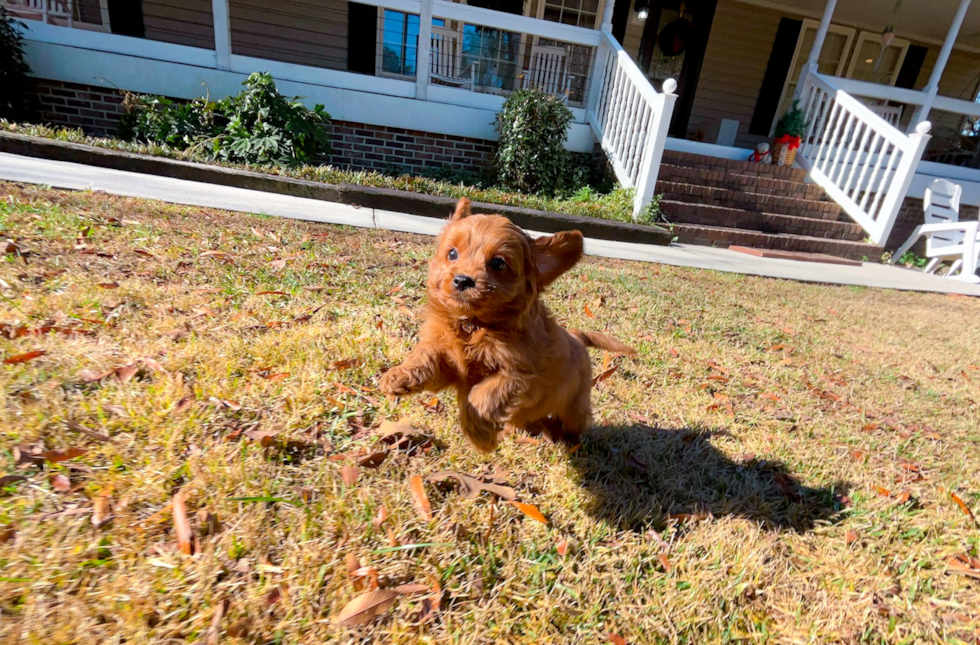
(419, 497)
(588, 312)
(55, 456)
(183, 404)
(964, 564)
(350, 474)
(60, 483)
(380, 518)
(562, 547)
(78, 427)
(373, 460)
(366, 607)
(272, 293)
(664, 562)
(23, 358)
(101, 507)
(412, 588)
(182, 525)
(604, 375)
(615, 639)
(347, 363)
(109, 285)
(470, 487)
(851, 537)
(126, 373)
(263, 437)
(7, 480)
(962, 505)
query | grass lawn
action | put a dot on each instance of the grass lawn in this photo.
(782, 462)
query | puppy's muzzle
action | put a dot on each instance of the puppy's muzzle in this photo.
(463, 282)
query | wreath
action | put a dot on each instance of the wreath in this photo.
(673, 38)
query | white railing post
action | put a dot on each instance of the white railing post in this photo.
(932, 87)
(818, 40)
(598, 77)
(901, 181)
(222, 33)
(653, 150)
(423, 51)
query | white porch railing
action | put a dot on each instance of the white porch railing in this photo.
(862, 162)
(630, 119)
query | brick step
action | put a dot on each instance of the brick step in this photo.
(707, 215)
(717, 164)
(724, 237)
(737, 181)
(748, 200)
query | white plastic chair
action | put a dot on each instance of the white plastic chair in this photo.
(548, 71)
(947, 238)
(447, 59)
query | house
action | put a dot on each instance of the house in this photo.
(675, 92)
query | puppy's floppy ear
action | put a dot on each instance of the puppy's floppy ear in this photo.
(462, 209)
(555, 254)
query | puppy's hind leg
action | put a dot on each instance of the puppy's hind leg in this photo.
(483, 434)
(577, 417)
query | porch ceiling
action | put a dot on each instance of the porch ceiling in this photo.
(924, 19)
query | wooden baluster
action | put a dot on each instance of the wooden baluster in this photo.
(842, 115)
(630, 123)
(870, 158)
(886, 178)
(837, 170)
(857, 161)
(826, 127)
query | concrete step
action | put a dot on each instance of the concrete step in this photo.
(724, 217)
(716, 164)
(748, 200)
(723, 237)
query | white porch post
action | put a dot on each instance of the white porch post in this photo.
(932, 87)
(423, 53)
(222, 33)
(653, 152)
(818, 39)
(599, 63)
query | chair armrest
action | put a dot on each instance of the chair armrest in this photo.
(964, 227)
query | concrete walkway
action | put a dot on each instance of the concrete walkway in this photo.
(60, 174)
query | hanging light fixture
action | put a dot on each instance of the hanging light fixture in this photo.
(642, 9)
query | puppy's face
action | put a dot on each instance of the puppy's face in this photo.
(487, 268)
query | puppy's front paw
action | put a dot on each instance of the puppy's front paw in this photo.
(398, 381)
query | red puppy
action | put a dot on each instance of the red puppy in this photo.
(487, 333)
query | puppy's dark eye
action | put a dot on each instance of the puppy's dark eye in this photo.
(498, 264)
(453, 255)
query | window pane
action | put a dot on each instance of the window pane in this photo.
(393, 50)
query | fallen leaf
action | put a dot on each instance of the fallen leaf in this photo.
(615, 639)
(588, 312)
(278, 264)
(274, 596)
(380, 517)
(603, 376)
(7, 534)
(272, 293)
(54, 456)
(60, 483)
(346, 364)
(427, 610)
(126, 373)
(531, 511)
(183, 404)
(213, 635)
(182, 525)
(222, 403)
(850, 537)
(903, 497)
(664, 562)
(265, 438)
(419, 497)
(109, 285)
(962, 505)
(240, 628)
(373, 460)
(403, 436)
(366, 607)
(857, 454)
(23, 358)
(411, 588)
(562, 547)
(349, 474)
(101, 507)
(470, 487)
(117, 410)
(964, 564)
(7, 480)
(78, 427)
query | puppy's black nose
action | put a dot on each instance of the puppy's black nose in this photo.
(463, 282)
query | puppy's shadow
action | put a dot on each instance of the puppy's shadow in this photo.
(636, 477)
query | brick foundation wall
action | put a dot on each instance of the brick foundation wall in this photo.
(359, 146)
(95, 110)
(910, 216)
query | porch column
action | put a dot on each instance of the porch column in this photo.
(599, 60)
(607, 15)
(222, 33)
(932, 87)
(818, 39)
(423, 52)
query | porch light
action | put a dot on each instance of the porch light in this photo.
(642, 9)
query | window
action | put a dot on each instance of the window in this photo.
(399, 42)
(581, 13)
(876, 64)
(495, 54)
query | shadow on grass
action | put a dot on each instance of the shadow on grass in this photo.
(639, 477)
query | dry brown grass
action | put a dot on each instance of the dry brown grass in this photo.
(734, 488)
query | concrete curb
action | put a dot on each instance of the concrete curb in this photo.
(382, 199)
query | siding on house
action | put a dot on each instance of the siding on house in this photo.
(182, 22)
(305, 32)
(734, 65)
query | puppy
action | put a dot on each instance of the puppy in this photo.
(487, 333)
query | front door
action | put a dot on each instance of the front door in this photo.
(672, 35)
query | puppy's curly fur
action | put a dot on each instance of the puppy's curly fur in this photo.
(487, 333)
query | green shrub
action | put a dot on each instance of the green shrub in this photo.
(531, 128)
(258, 126)
(14, 83)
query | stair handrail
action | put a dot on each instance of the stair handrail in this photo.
(862, 162)
(630, 118)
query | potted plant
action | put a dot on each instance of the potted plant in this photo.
(789, 136)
